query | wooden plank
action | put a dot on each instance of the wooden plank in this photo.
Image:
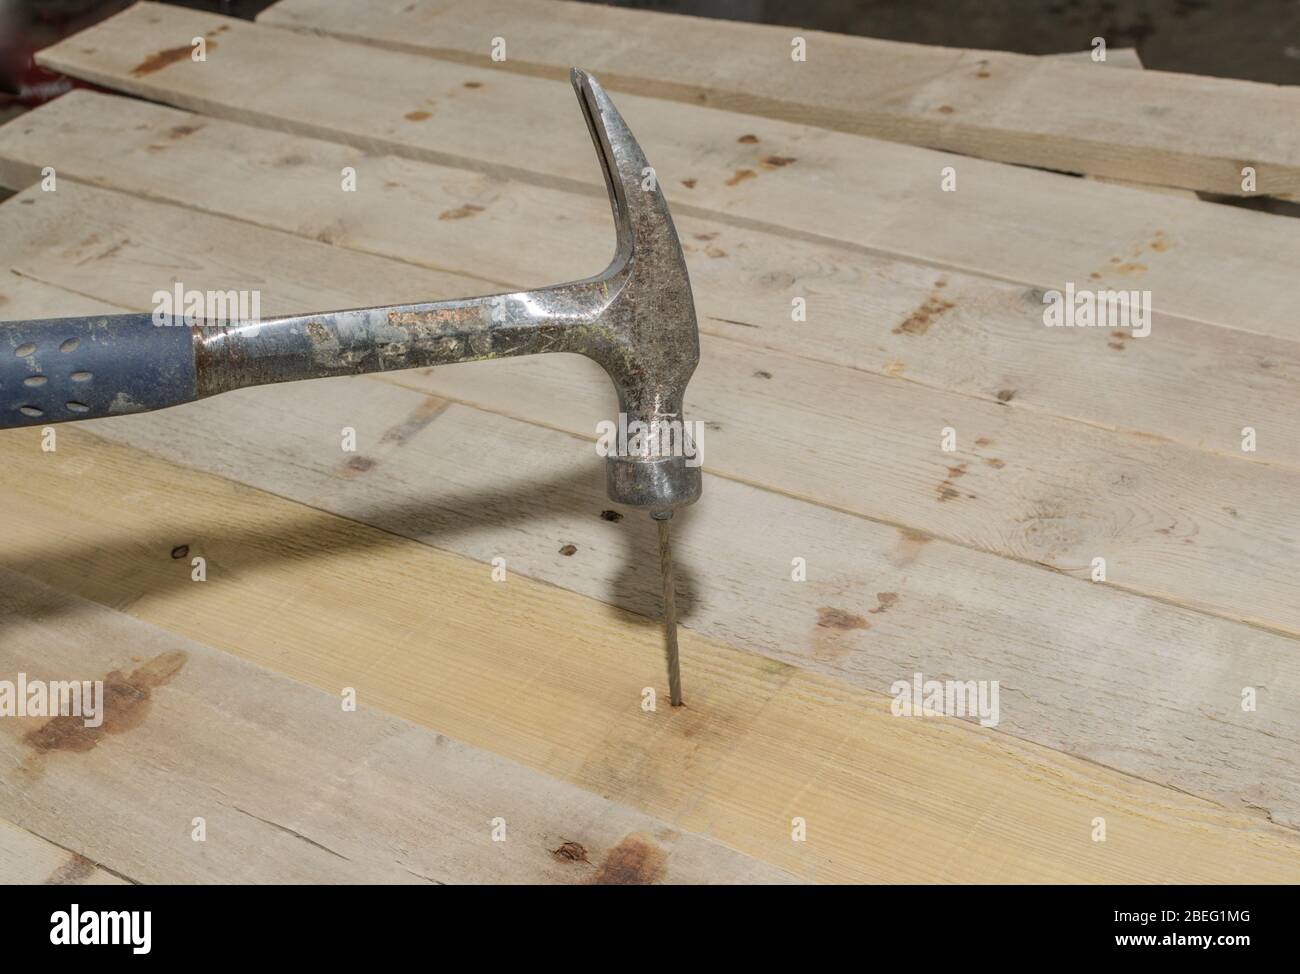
(26, 858)
(1116, 57)
(1188, 382)
(1084, 659)
(1174, 523)
(1127, 58)
(990, 104)
(1170, 522)
(291, 787)
(554, 681)
(1210, 263)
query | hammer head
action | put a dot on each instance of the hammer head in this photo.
(645, 336)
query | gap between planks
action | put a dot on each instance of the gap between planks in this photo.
(553, 680)
(1028, 507)
(950, 331)
(28, 859)
(746, 170)
(290, 785)
(1053, 648)
(1045, 112)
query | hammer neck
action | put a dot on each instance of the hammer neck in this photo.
(565, 318)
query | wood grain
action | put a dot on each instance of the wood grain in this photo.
(553, 678)
(1128, 59)
(554, 681)
(1036, 228)
(1171, 522)
(28, 859)
(1188, 382)
(1128, 682)
(992, 104)
(291, 786)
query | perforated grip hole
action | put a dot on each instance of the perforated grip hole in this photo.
(25, 349)
(77, 407)
(35, 380)
(70, 345)
(31, 411)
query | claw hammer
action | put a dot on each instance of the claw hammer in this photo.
(636, 319)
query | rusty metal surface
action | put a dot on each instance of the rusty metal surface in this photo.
(636, 319)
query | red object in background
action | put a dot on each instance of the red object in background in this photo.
(27, 27)
(33, 84)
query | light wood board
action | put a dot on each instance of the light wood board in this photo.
(341, 570)
(209, 769)
(1088, 662)
(28, 859)
(1046, 112)
(1187, 381)
(1185, 526)
(555, 681)
(1127, 58)
(1212, 263)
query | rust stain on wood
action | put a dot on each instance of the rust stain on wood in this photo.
(885, 600)
(740, 176)
(160, 60)
(636, 861)
(920, 320)
(358, 464)
(460, 212)
(829, 617)
(74, 872)
(429, 409)
(124, 705)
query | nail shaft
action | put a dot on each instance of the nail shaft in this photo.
(670, 613)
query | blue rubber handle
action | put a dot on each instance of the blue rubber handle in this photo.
(61, 369)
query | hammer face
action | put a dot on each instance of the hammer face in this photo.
(661, 484)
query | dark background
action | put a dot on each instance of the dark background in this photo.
(1254, 39)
